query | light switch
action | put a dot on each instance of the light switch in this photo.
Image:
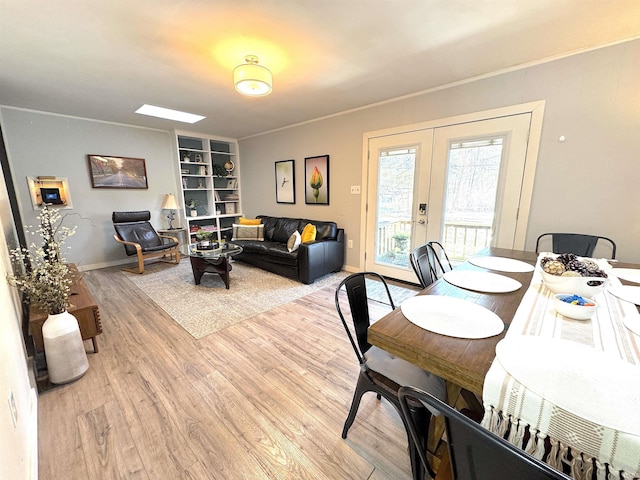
(355, 189)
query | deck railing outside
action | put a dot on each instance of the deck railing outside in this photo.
(461, 240)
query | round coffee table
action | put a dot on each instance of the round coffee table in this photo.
(211, 261)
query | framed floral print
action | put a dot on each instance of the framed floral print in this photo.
(316, 180)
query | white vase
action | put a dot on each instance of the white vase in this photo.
(64, 348)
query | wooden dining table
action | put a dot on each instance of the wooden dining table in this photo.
(579, 444)
(463, 362)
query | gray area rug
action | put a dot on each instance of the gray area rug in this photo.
(206, 308)
(376, 292)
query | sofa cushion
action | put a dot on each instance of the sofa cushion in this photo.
(278, 252)
(326, 230)
(284, 228)
(309, 233)
(294, 241)
(249, 221)
(254, 246)
(248, 232)
(269, 226)
(273, 252)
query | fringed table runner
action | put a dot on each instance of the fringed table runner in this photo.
(587, 432)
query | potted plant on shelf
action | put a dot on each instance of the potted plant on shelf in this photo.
(192, 205)
(40, 271)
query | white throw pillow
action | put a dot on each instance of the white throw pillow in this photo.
(248, 232)
(294, 241)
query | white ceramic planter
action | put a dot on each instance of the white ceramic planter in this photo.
(64, 348)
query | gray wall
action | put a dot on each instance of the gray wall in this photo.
(586, 184)
(589, 183)
(45, 144)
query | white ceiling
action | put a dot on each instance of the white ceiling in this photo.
(103, 59)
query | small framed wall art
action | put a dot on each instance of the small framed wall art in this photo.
(117, 172)
(316, 180)
(285, 181)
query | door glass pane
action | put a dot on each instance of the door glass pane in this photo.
(473, 173)
(396, 170)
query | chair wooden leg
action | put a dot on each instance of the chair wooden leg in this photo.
(174, 257)
(140, 267)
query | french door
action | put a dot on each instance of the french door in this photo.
(459, 184)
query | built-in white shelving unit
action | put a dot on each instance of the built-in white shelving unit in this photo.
(209, 170)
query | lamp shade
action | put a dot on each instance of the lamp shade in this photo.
(251, 78)
(169, 202)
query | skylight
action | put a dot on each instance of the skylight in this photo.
(169, 114)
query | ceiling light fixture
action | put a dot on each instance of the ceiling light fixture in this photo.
(169, 114)
(252, 79)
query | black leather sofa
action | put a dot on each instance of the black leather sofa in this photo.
(310, 261)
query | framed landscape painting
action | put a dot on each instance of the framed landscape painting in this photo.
(316, 180)
(117, 172)
(285, 181)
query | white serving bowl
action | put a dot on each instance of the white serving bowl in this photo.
(577, 285)
(571, 310)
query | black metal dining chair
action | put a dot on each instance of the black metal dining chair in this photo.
(380, 372)
(475, 452)
(429, 262)
(576, 243)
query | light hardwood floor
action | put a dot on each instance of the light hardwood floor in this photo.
(263, 399)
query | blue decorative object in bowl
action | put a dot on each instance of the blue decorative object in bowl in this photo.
(575, 306)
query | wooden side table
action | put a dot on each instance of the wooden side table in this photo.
(180, 233)
(81, 305)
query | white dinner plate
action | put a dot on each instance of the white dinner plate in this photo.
(481, 281)
(502, 264)
(627, 293)
(629, 274)
(577, 378)
(451, 316)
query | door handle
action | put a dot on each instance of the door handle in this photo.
(421, 221)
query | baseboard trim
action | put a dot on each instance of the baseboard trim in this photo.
(96, 266)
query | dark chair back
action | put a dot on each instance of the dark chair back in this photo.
(475, 452)
(355, 286)
(135, 227)
(576, 243)
(420, 263)
(429, 262)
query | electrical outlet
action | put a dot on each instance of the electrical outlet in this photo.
(350, 243)
(13, 409)
(355, 189)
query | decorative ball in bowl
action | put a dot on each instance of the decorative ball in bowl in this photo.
(569, 273)
(575, 306)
